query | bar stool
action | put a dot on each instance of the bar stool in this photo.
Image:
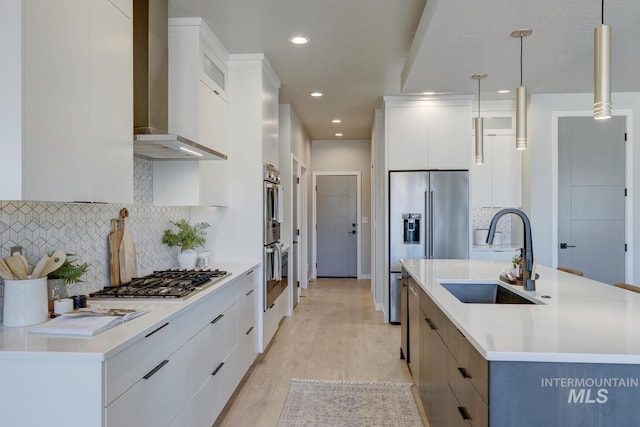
(570, 270)
(627, 287)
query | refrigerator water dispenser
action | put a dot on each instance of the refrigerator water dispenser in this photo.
(411, 228)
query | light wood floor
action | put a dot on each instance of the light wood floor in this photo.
(335, 333)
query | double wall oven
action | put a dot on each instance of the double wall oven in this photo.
(274, 268)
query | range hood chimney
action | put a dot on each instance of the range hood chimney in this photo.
(150, 89)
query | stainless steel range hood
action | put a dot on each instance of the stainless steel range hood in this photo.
(150, 89)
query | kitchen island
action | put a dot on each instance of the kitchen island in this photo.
(176, 365)
(571, 358)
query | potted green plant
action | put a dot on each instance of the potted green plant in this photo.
(71, 271)
(188, 237)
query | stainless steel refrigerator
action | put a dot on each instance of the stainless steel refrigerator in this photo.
(428, 218)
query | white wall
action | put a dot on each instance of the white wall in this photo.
(295, 142)
(540, 160)
(350, 155)
(378, 277)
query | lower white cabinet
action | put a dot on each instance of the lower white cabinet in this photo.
(156, 398)
(498, 253)
(216, 344)
(247, 323)
(273, 316)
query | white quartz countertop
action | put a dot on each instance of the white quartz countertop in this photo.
(582, 321)
(18, 343)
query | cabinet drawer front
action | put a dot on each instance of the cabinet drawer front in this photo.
(129, 366)
(247, 282)
(476, 366)
(207, 404)
(247, 350)
(154, 400)
(211, 346)
(247, 312)
(468, 397)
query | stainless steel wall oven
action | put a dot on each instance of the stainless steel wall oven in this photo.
(273, 254)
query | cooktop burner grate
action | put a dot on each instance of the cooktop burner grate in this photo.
(173, 284)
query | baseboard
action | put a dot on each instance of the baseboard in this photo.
(378, 307)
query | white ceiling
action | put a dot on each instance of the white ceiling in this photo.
(359, 48)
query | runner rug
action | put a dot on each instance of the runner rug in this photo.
(329, 403)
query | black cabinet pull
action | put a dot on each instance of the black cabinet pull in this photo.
(217, 318)
(463, 413)
(151, 333)
(271, 306)
(431, 325)
(251, 272)
(464, 373)
(249, 293)
(218, 368)
(249, 331)
(156, 369)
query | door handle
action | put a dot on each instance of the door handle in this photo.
(351, 232)
(566, 246)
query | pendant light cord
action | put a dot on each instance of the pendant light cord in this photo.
(478, 97)
(602, 17)
(521, 59)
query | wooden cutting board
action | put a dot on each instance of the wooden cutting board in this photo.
(115, 238)
(127, 253)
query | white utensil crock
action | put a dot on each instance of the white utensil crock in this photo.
(25, 302)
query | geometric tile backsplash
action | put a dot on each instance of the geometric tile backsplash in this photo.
(82, 229)
(481, 219)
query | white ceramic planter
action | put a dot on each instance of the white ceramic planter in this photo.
(25, 302)
(187, 259)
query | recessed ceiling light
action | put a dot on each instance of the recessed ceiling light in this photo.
(504, 91)
(316, 94)
(336, 121)
(428, 93)
(299, 39)
(339, 134)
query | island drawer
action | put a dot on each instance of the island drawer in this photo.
(469, 398)
(466, 356)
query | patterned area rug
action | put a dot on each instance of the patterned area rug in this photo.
(348, 403)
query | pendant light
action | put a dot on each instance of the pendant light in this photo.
(479, 125)
(521, 99)
(602, 70)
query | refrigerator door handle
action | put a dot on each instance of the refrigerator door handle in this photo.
(431, 202)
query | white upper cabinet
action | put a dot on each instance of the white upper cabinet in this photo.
(198, 110)
(69, 86)
(497, 183)
(427, 134)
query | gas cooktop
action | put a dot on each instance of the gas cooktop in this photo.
(167, 284)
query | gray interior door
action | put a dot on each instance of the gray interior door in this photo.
(295, 281)
(591, 193)
(337, 232)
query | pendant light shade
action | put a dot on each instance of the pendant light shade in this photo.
(521, 118)
(479, 140)
(521, 98)
(602, 71)
(479, 126)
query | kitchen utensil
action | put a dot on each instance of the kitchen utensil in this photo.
(115, 238)
(37, 270)
(23, 259)
(5, 271)
(127, 253)
(54, 262)
(16, 265)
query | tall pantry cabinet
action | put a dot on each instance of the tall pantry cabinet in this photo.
(67, 86)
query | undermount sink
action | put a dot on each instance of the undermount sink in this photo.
(485, 293)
